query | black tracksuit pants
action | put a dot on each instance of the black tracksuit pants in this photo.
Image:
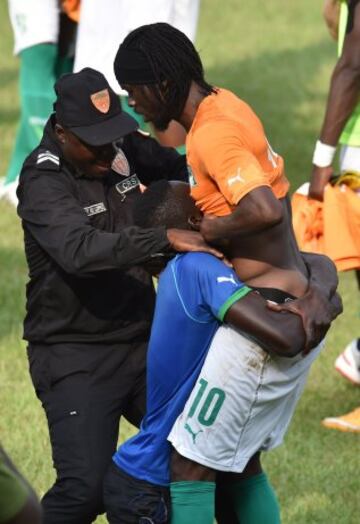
(84, 390)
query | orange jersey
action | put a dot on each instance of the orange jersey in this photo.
(228, 155)
(72, 9)
(331, 227)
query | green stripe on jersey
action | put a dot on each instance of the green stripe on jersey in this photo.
(240, 293)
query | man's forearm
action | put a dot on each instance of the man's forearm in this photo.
(322, 273)
(257, 211)
(345, 81)
(270, 330)
(228, 227)
(331, 12)
(342, 100)
(320, 305)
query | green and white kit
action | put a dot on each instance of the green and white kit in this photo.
(242, 403)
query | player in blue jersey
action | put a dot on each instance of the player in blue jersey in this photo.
(196, 294)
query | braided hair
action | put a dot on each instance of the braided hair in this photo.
(160, 206)
(174, 63)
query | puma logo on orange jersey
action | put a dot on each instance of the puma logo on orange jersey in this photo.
(236, 178)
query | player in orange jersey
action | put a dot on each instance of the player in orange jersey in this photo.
(236, 178)
(233, 171)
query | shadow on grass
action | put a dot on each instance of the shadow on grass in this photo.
(282, 87)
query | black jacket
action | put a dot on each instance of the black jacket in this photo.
(81, 249)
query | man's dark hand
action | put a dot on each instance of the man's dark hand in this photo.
(320, 176)
(183, 241)
(322, 272)
(317, 312)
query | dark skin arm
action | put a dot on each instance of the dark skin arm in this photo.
(184, 241)
(320, 305)
(258, 210)
(342, 99)
(270, 330)
(67, 235)
(322, 273)
(331, 11)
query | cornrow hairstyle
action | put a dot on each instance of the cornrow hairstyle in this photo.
(174, 63)
(159, 206)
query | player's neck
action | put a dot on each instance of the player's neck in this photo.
(192, 103)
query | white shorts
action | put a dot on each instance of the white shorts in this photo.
(104, 25)
(242, 403)
(34, 22)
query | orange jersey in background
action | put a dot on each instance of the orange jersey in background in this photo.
(228, 155)
(72, 9)
(331, 227)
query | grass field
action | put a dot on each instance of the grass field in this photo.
(277, 56)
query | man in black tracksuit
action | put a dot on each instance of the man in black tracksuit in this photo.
(89, 306)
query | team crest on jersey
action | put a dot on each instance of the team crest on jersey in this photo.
(120, 163)
(192, 179)
(101, 100)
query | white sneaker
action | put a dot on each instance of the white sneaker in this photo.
(348, 363)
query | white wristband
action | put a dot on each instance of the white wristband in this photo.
(323, 154)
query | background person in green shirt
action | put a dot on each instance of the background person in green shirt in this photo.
(341, 127)
(18, 502)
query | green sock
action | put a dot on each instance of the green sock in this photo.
(192, 502)
(36, 82)
(255, 501)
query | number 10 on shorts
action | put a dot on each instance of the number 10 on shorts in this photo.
(207, 403)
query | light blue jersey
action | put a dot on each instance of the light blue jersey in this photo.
(195, 291)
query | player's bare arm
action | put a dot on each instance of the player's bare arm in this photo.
(314, 313)
(321, 304)
(322, 273)
(267, 328)
(342, 99)
(344, 88)
(185, 241)
(258, 210)
(310, 277)
(331, 11)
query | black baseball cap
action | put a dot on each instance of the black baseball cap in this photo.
(89, 108)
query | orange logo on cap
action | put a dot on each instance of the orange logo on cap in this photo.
(101, 100)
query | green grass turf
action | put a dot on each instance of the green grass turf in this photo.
(277, 56)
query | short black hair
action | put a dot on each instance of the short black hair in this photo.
(159, 206)
(173, 60)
